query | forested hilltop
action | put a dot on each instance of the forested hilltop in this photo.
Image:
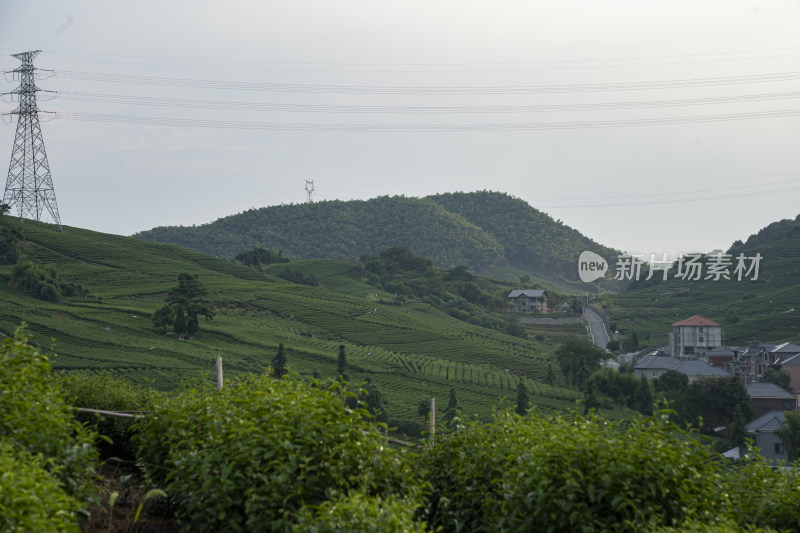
(489, 232)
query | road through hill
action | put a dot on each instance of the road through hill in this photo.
(597, 328)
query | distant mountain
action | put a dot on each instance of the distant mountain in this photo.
(777, 230)
(490, 232)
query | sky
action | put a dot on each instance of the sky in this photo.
(658, 126)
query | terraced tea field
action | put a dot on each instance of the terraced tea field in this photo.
(410, 351)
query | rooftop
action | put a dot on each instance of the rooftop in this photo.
(768, 390)
(697, 320)
(530, 293)
(767, 422)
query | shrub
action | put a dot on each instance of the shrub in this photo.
(34, 417)
(103, 391)
(31, 499)
(568, 474)
(359, 512)
(249, 458)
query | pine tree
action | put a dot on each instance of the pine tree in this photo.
(452, 407)
(737, 433)
(279, 363)
(644, 397)
(523, 401)
(341, 363)
(180, 321)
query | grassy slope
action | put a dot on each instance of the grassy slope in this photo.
(410, 352)
(768, 309)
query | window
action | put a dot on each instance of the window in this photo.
(701, 338)
(701, 329)
(778, 448)
(787, 405)
(767, 409)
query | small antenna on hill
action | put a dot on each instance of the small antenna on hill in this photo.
(309, 191)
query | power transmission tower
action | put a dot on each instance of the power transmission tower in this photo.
(29, 186)
(310, 191)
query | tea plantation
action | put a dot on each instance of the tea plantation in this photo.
(409, 351)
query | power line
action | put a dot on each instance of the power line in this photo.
(427, 90)
(414, 128)
(477, 109)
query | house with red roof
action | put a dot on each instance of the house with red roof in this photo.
(694, 335)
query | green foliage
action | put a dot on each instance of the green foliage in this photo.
(579, 359)
(44, 282)
(714, 400)
(341, 363)
(185, 302)
(523, 400)
(621, 388)
(737, 431)
(34, 417)
(31, 499)
(781, 378)
(644, 398)
(568, 474)
(295, 276)
(631, 342)
(279, 363)
(9, 237)
(260, 256)
(453, 409)
(362, 513)
(251, 457)
(104, 391)
(789, 433)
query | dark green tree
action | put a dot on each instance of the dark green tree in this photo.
(714, 400)
(549, 376)
(279, 363)
(375, 401)
(789, 433)
(9, 237)
(523, 401)
(578, 359)
(452, 410)
(644, 399)
(164, 317)
(189, 297)
(781, 378)
(260, 256)
(590, 399)
(341, 363)
(737, 431)
(631, 342)
(179, 327)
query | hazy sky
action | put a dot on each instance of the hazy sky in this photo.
(652, 126)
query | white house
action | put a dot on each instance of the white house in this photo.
(694, 335)
(528, 300)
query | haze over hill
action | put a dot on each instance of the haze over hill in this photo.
(490, 232)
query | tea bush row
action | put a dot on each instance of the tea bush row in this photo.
(48, 458)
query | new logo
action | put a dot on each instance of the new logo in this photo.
(591, 266)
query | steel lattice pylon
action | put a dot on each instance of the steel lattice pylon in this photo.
(29, 187)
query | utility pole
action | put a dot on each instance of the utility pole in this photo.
(29, 187)
(309, 191)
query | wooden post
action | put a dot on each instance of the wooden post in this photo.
(433, 418)
(219, 374)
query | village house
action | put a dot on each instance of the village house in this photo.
(694, 335)
(528, 300)
(762, 431)
(654, 365)
(766, 397)
(787, 357)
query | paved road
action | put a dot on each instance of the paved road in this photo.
(596, 327)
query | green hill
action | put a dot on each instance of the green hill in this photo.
(491, 233)
(409, 351)
(751, 311)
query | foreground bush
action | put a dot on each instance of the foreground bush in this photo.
(103, 391)
(35, 419)
(251, 457)
(569, 474)
(362, 513)
(31, 499)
